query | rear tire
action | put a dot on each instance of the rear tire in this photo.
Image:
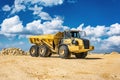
(81, 55)
(44, 51)
(64, 52)
(33, 51)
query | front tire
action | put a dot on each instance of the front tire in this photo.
(33, 51)
(81, 55)
(64, 52)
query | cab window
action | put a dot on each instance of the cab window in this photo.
(75, 34)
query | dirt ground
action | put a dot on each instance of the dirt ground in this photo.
(94, 67)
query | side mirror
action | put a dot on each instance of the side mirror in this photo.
(82, 33)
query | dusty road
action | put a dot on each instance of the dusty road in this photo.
(94, 67)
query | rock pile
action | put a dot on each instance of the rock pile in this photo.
(114, 53)
(12, 51)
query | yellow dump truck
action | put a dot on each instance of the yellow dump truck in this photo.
(64, 43)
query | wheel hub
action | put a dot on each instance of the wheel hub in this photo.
(41, 50)
(61, 51)
(32, 51)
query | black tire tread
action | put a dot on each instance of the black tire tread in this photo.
(81, 55)
(66, 54)
(36, 53)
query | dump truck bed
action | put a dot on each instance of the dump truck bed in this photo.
(37, 39)
(46, 37)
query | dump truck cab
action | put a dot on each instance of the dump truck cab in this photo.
(64, 43)
(75, 44)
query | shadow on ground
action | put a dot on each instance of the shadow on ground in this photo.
(93, 58)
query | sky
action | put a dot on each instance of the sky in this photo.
(99, 18)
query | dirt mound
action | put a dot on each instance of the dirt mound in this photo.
(12, 51)
(114, 53)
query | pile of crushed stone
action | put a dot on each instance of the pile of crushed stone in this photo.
(12, 51)
(114, 53)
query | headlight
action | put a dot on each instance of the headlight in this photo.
(75, 42)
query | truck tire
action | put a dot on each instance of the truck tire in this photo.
(81, 55)
(43, 51)
(64, 52)
(33, 51)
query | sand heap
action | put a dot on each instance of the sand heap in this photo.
(114, 53)
(12, 51)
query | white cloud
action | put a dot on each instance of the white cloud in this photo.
(114, 29)
(66, 28)
(97, 31)
(34, 27)
(111, 43)
(50, 2)
(48, 27)
(45, 16)
(43, 2)
(18, 6)
(34, 5)
(12, 25)
(80, 27)
(93, 39)
(6, 8)
(113, 40)
(22, 5)
(36, 10)
(53, 26)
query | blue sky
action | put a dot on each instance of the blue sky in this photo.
(99, 18)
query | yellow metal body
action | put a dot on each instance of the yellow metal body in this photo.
(53, 40)
(77, 48)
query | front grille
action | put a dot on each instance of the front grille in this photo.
(86, 44)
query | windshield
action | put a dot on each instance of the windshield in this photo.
(75, 34)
